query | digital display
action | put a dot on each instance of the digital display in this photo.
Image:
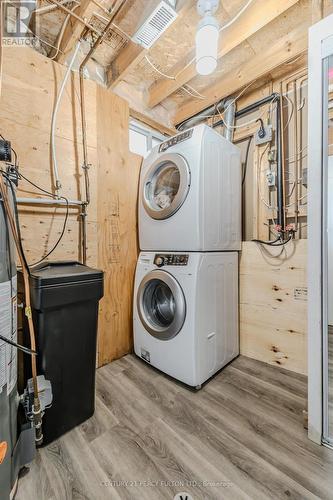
(175, 140)
(171, 260)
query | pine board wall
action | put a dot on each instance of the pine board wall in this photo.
(273, 282)
(273, 304)
(29, 88)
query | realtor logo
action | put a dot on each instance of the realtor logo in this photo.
(19, 22)
(183, 496)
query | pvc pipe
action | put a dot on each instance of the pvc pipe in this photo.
(45, 201)
(54, 118)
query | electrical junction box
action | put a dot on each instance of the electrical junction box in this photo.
(270, 178)
(265, 138)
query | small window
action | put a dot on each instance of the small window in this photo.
(137, 143)
(143, 139)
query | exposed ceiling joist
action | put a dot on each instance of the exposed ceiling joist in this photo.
(132, 54)
(152, 123)
(74, 29)
(283, 50)
(317, 10)
(258, 14)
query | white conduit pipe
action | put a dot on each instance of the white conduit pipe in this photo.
(54, 118)
(45, 201)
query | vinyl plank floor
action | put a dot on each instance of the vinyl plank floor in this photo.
(240, 437)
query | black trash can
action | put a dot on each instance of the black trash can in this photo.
(65, 298)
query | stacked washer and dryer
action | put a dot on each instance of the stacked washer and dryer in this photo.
(186, 285)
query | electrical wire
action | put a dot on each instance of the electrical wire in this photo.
(196, 95)
(195, 91)
(22, 348)
(291, 113)
(65, 220)
(159, 71)
(17, 221)
(237, 16)
(62, 32)
(246, 159)
(276, 243)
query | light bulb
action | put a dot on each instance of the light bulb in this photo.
(207, 39)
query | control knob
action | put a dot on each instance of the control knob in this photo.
(159, 261)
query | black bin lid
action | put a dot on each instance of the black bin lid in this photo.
(61, 272)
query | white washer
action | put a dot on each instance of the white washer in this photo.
(186, 313)
(190, 194)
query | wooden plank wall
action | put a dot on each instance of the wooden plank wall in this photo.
(30, 86)
(273, 293)
(273, 304)
(118, 176)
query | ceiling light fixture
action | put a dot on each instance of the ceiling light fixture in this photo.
(207, 37)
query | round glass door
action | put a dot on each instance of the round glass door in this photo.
(161, 305)
(166, 186)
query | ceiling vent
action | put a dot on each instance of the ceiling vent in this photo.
(154, 25)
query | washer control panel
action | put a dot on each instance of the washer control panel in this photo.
(175, 140)
(170, 259)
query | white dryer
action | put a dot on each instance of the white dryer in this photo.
(186, 313)
(190, 194)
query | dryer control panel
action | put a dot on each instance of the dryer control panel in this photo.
(175, 140)
(171, 259)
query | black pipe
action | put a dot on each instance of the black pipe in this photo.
(251, 107)
(242, 112)
(255, 105)
(279, 173)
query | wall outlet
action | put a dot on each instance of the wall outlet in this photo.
(270, 178)
(265, 138)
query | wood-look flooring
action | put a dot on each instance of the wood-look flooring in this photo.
(330, 381)
(240, 437)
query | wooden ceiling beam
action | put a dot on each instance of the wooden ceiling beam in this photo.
(147, 120)
(317, 10)
(132, 53)
(74, 29)
(283, 50)
(258, 14)
(127, 59)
